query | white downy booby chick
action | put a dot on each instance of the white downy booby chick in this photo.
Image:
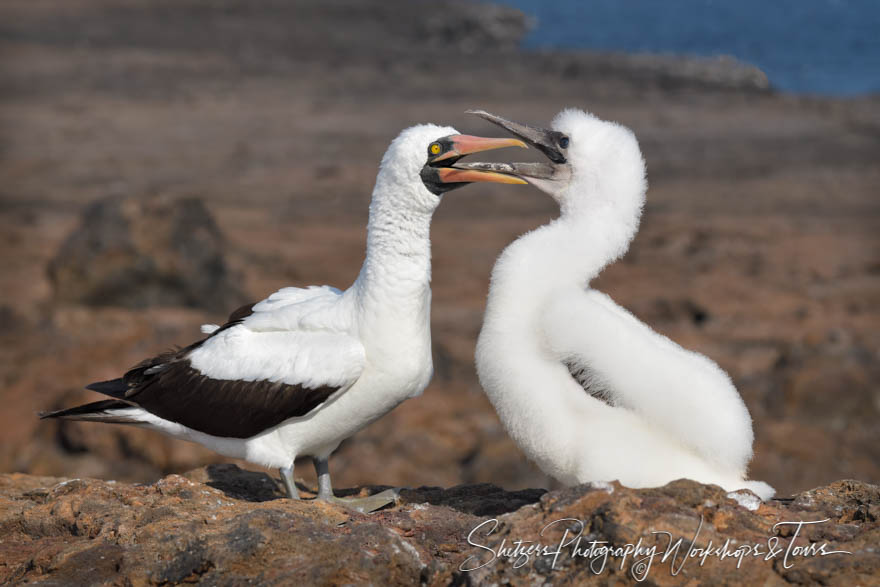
(589, 392)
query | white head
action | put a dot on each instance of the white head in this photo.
(593, 164)
(596, 174)
(420, 166)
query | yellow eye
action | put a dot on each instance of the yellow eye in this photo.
(435, 149)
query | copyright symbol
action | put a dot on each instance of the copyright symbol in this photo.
(640, 569)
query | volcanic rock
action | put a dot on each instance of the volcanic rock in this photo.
(138, 253)
(223, 525)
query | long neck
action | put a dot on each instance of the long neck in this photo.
(393, 286)
(398, 261)
(570, 251)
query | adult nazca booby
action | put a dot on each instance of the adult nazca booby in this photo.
(300, 371)
(588, 391)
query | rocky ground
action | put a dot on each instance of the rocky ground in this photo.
(223, 526)
(759, 244)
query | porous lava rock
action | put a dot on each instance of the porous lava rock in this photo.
(224, 525)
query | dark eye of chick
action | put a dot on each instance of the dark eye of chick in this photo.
(563, 142)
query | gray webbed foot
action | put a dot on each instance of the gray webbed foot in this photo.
(364, 505)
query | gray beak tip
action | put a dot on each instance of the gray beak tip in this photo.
(542, 139)
(483, 114)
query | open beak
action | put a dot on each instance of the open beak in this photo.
(545, 140)
(466, 144)
(445, 165)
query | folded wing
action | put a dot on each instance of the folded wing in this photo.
(276, 360)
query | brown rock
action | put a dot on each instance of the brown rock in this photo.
(224, 525)
(137, 253)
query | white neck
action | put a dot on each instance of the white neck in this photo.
(570, 251)
(398, 261)
(393, 287)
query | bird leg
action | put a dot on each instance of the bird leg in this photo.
(322, 468)
(289, 484)
(364, 505)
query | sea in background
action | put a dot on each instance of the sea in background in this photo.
(829, 47)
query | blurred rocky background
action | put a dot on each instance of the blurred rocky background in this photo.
(163, 161)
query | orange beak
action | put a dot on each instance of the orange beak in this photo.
(466, 144)
(453, 175)
(462, 145)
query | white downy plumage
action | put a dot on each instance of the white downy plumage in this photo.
(588, 391)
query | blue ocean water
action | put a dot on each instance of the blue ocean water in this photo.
(829, 47)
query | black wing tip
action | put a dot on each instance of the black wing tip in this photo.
(93, 411)
(112, 387)
(240, 313)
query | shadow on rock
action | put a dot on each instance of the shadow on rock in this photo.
(484, 499)
(238, 483)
